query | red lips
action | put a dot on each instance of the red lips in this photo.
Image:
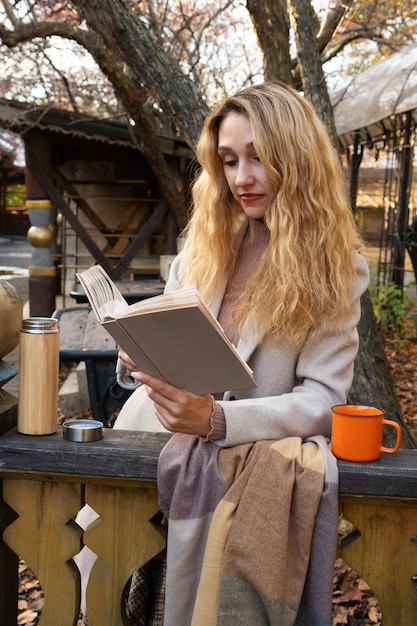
(250, 197)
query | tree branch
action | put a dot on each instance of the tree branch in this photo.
(131, 92)
(162, 78)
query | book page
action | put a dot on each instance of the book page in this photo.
(103, 295)
(166, 301)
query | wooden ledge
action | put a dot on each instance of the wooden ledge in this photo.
(393, 475)
(124, 456)
(121, 456)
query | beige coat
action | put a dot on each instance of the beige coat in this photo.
(295, 389)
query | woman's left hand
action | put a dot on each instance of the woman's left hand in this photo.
(178, 411)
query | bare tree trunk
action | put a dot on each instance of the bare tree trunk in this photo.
(372, 383)
(271, 23)
(311, 69)
(130, 40)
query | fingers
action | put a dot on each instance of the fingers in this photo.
(177, 410)
(155, 383)
(126, 360)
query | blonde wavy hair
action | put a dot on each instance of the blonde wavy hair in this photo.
(307, 270)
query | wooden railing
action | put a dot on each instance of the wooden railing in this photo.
(46, 480)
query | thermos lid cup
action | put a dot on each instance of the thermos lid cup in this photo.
(40, 325)
(83, 430)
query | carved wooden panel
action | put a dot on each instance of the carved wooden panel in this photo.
(384, 552)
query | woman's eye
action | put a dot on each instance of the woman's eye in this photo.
(230, 162)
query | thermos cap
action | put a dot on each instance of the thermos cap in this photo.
(40, 325)
(83, 430)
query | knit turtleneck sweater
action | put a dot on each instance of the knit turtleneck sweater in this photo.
(250, 252)
(253, 245)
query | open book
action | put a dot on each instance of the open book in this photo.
(174, 336)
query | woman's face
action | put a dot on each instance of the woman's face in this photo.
(248, 181)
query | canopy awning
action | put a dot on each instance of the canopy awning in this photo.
(374, 103)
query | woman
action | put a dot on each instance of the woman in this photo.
(273, 249)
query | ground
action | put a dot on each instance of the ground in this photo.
(353, 601)
(402, 357)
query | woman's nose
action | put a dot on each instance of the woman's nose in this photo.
(244, 175)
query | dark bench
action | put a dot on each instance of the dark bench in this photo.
(132, 290)
(82, 338)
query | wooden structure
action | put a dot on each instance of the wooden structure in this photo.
(376, 111)
(91, 197)
(47, 480)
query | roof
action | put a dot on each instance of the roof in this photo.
(19, 118)
(374, 102)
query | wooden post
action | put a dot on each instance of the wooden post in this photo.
(42, 232)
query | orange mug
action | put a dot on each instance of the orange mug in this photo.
(357, 432)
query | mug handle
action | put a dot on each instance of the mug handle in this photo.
(398, 441)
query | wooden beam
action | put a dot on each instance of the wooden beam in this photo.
(142, 236)
(58, 201)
